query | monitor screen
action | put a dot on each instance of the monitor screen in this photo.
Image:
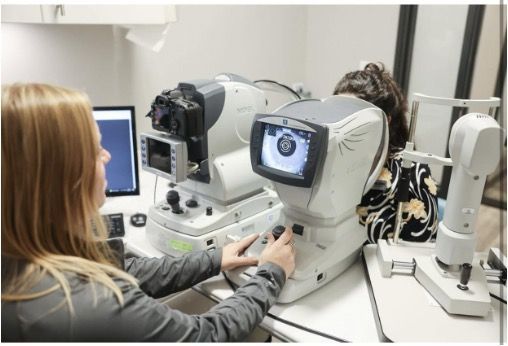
(285, 149)
(118, 129)
(159, 155)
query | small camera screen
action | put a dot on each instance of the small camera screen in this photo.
(285, 149)
(159, 155)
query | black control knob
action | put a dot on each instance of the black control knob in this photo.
(209, 211)
(173, 199)
(465, 275)
(277, 231)
(191, 203)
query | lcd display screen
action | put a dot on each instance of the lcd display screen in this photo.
(159, 155)
(285, 149)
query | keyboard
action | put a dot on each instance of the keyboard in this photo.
(115, 225)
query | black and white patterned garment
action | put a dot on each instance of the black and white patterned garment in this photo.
(378, 208)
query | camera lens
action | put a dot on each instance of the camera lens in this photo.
(286, 145)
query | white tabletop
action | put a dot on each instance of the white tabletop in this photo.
(342, 309)
(409, 313)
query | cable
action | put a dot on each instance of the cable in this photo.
(233, 287)
(155, 188)
(298, 97)
(497, 298)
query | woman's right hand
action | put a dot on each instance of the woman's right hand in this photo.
(280, 251)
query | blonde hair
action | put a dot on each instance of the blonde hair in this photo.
(50, 148)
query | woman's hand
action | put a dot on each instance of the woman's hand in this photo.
(280, 251)
(232, 254)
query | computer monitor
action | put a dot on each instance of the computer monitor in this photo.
(118, 129)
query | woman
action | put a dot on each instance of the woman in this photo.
(59, 279)
(378, 208)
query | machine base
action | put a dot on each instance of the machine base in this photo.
(296, 289)
(176, 242)
(475, 301)
(440, 283)
(406, 312)
(315, 263)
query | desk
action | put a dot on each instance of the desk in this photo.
(342, 308)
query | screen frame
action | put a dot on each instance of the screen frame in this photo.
(292, 131)
(316, 156)
(132, 112)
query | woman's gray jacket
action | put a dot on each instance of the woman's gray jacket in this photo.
(99, 317)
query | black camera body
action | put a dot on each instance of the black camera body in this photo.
(172, 113)
(186, 113)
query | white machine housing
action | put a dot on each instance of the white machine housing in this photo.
(323, 216)
(227, 198)
(474, 146)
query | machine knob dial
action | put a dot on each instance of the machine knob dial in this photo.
(277, 231)
(465, 275)
(172, 197)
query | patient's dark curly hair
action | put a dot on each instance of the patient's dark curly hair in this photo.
(375, 85)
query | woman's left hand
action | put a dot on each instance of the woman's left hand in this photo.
(232, 253)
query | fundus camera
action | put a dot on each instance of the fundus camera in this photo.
(183, 117)
(202, 144)
(171, 112)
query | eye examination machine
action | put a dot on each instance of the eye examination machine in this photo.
(202, 148)
(435, 281)
(321, 155)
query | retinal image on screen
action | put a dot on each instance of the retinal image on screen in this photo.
(116, 127)
(285, 149)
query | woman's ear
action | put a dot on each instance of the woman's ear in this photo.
(389, 118)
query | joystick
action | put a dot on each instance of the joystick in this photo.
(173, 199)
(277, 231)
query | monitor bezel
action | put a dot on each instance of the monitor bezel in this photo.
(132, 112)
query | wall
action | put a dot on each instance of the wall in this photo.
(77, 56)
(436, 57)
(484, 84)
(340, 37)
(315, 45)
(257, 42)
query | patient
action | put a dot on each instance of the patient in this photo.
(60, 281)
(378, 207)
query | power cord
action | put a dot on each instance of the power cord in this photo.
(497, 298)
(234, 287)
(155, 188)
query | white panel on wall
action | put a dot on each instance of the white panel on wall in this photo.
(340, 37)
(434, 70)
(80, 57)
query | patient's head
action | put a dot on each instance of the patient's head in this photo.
(375, 85)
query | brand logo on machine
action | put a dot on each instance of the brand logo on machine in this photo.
(246, 109)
